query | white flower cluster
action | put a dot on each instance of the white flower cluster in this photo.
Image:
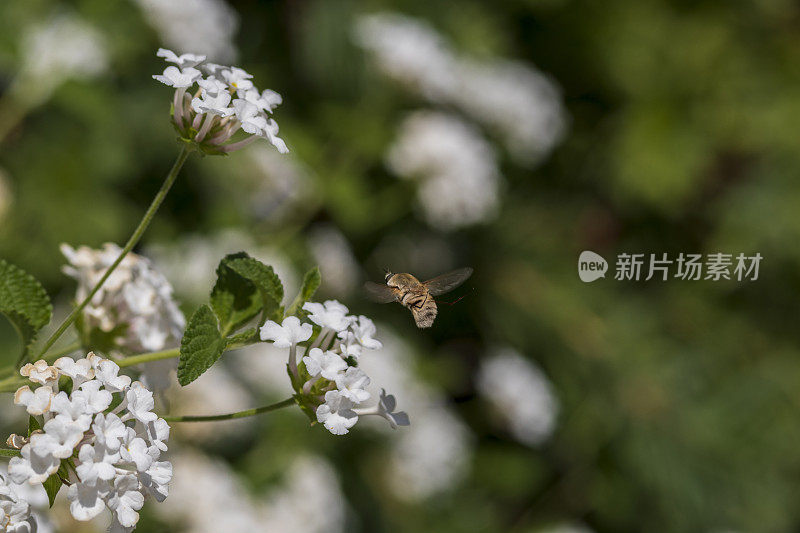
(512, 98)
(110, 451)
(225, 102)
(64, 47)
(457, 169)
(333, 382)
(15, 511)
(206, 26)
(136, 298)
(520, 394)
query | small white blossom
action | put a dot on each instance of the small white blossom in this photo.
(386, 408)
(95, 464)
(327, 364)
(352, 384)
(66, 434)
(36, 463)
(178, 78)
(331, 315)
(183, 60)
(362, 331)
(336, 413)
(250, 116)
(39, 372)
(140, 403)
(77, 370)
(125, 500)
(289, 333)
(15, 511)
(36, 402)
(86, 499)
(237, 78)
(216, 104)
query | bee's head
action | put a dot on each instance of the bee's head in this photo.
(388, 274)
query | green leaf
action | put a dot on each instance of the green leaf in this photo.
(311, 282)
(33, 425)
(53, 484)
(24, 301)
(201, 346)
(266, 281)
(235, 299)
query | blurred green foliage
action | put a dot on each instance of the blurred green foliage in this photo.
(679, 400)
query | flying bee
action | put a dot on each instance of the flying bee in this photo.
(415, 295)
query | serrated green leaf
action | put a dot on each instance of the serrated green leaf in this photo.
(53, 484)
(235, 299)
(24, 301)
(201, 346)
(266, 281)
(311, 282)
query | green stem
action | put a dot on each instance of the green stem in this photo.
(230, 416)
(137, 235)
(167, 354)
(8, 452)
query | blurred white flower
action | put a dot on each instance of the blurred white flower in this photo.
(62, 48)
(183, 61)
(286, 334)
(509, 97)
(207, 27)
(457, 169)
(310, 499)
(136, 302)
(520, 394)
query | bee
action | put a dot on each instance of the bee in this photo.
(415, 295)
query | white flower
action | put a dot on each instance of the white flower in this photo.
(95, 464)
(183, 60)
(158, 433)
(140, 403)
(156, 479)
(108, 448)
(352, 385)
(175, 77)
(237, 78)
(86, 500)
(36, 402)
(289, 333)
(270, 133)
(65, 434)
(265, 101)
(39, 372)
(250, 116)
(362, 332)
(214, 104)
(107, 372)
(136, 300)
(386, 408)
(72, 410)
(331, 314)
(15, 511)
(97, 400)
(34, 467)
(212, 85)
(326, 364)
(125, 499)
(109, 431)
(336, 413)
(78, 371)
(135, 450)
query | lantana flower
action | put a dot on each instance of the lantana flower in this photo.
(328, 383)
(110, 454)
(225, 102)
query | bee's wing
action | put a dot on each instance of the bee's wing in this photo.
(378, 292)
(448, 282)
